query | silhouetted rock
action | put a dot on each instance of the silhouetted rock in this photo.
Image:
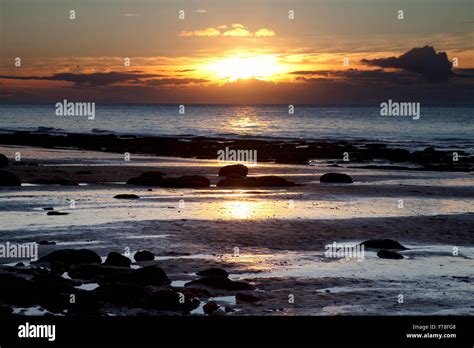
(126, 196)
(71, 257)
(387, 254)
(3, 160)
(95, 271)
(213, 272)
(117, 260)
(143, 255)
(220, 283)
(54, 213)
(210, 307)
(336, 178)
(262, 181)
(151, 178)
(150, 275)
(9, 179)
(383, 244)
(242, 297)
(237, 169)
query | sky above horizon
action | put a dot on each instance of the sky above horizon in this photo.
(329, 52)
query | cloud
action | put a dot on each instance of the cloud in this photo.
(209, 32)
(174, 82)
(434, 67)
(94, 79)
(236, 30)
(264, 32)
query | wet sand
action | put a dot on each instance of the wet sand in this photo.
(280, 233)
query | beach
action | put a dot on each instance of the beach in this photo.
(272, 238)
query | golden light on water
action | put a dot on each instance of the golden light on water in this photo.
(238, 209)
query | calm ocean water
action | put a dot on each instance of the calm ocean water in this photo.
(438, 126)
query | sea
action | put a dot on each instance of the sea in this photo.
(438, 126)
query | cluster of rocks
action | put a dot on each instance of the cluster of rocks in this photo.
(295, 152)
(385, 248)
(119, 287)
(236, 176)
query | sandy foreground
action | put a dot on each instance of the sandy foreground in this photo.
(273, 238)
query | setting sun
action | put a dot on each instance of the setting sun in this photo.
(245, 67)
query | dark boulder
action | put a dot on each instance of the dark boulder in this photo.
(9, 179)
(151, 178)
(126, 196)
(237, 169)
(273, 181)
(150, 275)
(336, 178)
(387, 254)
(95, 271)
(3, 160)
(210, 307)
(213, 272)
(262, 181)
(71, 257)
(117, 260)
(383, 244)
(56, 213)
(242, 297)
(143, 255)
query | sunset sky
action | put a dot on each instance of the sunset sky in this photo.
(235, 51)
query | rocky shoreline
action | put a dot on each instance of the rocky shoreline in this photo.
(283, 152)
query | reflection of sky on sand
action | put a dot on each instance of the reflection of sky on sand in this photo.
(24, 208)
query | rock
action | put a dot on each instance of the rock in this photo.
(242, 297)
(237, 169)
(19, 163)
(186, 181)
(56, 181)
(148, 297)
(46, 242)
(9, 179)
(234, 180)
(150, 275)
(117, 260)
(387, 254)
(126, 196)
(53, 213)
(210, 307)
(84, 172)
(151, 178)
(48, 208)
(143, 255)
(335, 178)
(383, 244)
(220, 283)
(213, 272)
(95, 272)
(3, 160)
(71, 257)
(273, 181)
(397, 155)
(263, 181)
